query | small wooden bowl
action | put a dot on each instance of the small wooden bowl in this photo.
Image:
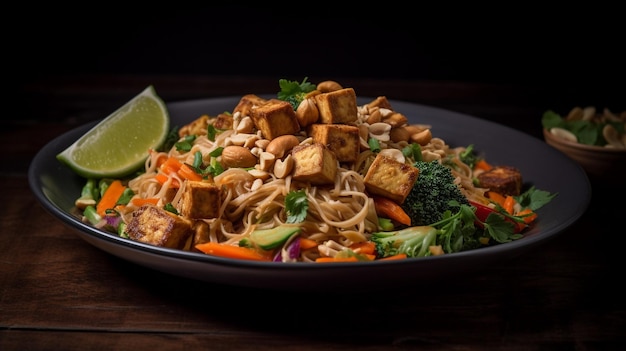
(600, 163)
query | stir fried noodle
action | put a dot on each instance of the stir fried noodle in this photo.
(254, 198)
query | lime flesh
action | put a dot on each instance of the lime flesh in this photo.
(120, 143)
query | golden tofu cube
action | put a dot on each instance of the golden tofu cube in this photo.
(156, 226)
(247, 102)
(389, 178)
(314, 163)
(201, 234)
(342, 139)
(505, 180)
(200, 200)
(275, 118)
(195, 127)
(223, 121)
(337, 106)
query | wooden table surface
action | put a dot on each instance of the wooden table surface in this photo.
(58, 292)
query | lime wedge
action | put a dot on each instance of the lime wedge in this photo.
(119, 144)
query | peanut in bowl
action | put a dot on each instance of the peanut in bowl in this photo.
(595, 139)
(604, 163)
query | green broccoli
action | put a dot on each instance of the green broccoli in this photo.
(456, 231)
(432, 193)
(412, 241)
(294, 92)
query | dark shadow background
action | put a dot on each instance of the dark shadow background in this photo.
(493, 44)
(577, 50)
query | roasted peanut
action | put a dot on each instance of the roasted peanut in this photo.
(307, 112)
(399, 134)
(375, 116)
(282, 168)
(328, 86)
(282, 145)
(234, 156)
(422, 137)
(395, 119)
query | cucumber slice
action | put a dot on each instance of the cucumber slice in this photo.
(268, 239)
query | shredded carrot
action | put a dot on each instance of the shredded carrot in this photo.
(137, 201)
(482, 165)
(230, 251)
(306, 244)
(496, 197)
(161, 160)
(162, 178)
(110, 196)
(400, 256)
(188, 173)
(509, 203)
(366, 248)
(390, 209)
(528, 215)
(171, 165)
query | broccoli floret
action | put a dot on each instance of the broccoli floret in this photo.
(432, 193)
(412, 241)
(294, 92)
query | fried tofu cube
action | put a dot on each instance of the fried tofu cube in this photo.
(342, 139)
(314, 163)
(247, 102)
(200, 199)
(223, 121)
(275, 118)
(153, 225)
(199, 125)
(389, 178)
(505, 180)
(195, 127)
(337, 106)
(201, 233)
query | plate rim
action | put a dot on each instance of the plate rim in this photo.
(106, 239)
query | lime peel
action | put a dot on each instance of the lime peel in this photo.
(119, 144)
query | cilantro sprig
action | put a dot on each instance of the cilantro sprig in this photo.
(293, 91)
(296, 205)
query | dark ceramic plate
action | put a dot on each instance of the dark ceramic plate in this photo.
(56, 187)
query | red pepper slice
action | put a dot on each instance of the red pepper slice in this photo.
(482, 212)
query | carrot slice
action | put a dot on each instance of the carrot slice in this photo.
(230, 251)
(482, 165)
(400, 256)
(306, 244)
(171, 164)
(509, 203)
(188, 173)
(390, 209)
(366, 248)
(496, 197)
(162, 178)
(137, 201)
(528, 215)
(110, 197)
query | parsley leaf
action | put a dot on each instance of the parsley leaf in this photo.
(534, 198)
(294, 92)
(296, 204)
